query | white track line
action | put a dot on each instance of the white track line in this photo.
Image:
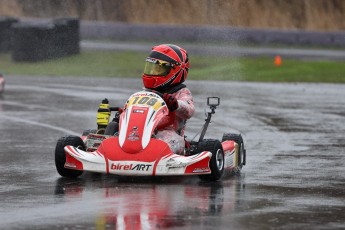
(63, 130)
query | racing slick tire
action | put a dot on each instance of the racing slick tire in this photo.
(239, 140)
(217, 160)
(88, 131)
(112, 128)
(60, 156)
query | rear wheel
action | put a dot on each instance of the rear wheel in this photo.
(88, 131)
(60, 156)
(217, 160)
(239, 140)
(112, 128)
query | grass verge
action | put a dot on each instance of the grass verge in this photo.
(130, 64)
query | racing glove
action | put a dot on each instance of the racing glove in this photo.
(117, 115)
(171, 101)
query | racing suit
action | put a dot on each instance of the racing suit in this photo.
(171, 128)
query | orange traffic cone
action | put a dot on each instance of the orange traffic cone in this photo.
(277, 61)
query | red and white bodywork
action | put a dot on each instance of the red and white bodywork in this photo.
(135, 151)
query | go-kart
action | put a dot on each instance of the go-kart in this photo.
(128, 146)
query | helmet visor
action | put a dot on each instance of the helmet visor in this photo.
(156, 67)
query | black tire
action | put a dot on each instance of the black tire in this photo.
(239, 140)
(112, 128)
(60, 156)
(88, 131)
(217, 159)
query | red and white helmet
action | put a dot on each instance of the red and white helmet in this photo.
(166, 66)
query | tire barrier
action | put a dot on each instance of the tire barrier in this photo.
(32, 42)
(6, 33)
(67, 36)
(39, 41)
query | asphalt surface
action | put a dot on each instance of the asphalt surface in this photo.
(294, 177)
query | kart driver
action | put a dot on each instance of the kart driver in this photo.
(165, 70)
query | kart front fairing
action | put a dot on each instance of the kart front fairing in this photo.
(135, 151)
(143, 111)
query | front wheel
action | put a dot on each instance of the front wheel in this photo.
(242, 151)
(217, 160)
(60, 155)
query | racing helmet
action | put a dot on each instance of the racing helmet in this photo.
(166, 66)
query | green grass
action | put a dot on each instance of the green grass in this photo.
(107, 64)
(294, 71)
(130, 64)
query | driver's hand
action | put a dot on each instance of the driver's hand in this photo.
(171, 101)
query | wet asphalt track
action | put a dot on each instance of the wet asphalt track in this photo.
(294, 177)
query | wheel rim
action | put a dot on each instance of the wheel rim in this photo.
(220, 159)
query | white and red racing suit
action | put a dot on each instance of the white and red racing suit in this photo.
(171, 128)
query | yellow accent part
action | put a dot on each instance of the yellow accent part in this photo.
(145, 100)
(103, 116)
(101, 223)
(104, 106)
(131, 101)
(157, 106)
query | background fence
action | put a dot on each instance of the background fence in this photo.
(37, 40)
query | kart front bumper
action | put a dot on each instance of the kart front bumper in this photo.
(168, 165)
